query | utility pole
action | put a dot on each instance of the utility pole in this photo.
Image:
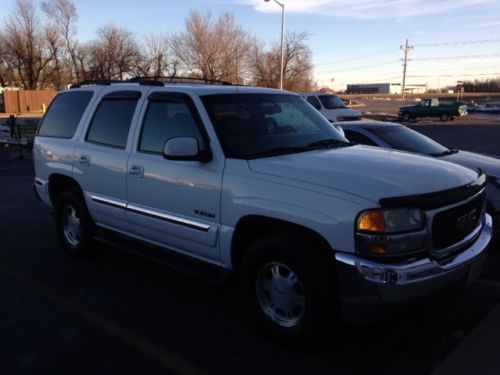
(406, 48)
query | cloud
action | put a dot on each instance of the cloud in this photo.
(367, 9)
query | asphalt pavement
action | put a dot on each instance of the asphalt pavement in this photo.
(117, 313)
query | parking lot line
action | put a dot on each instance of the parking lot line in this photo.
(138, 342)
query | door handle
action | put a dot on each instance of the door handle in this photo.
(84, 160)
(136, 171)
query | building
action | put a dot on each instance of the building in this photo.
(385, 88)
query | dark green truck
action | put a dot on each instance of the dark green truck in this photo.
(432, 108)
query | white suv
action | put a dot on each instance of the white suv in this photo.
(332, 107)
(256, 182)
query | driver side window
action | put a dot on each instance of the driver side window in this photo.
(165, 120)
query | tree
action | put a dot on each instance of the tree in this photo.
(113, 54)
(30, 48)
(63, 16)
(156, 59)
(297, 66)
(213, 50)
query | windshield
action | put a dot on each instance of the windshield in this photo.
(403, 138)
(260, 125)
(331, 101)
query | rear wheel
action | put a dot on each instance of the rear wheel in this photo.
(406, 116)
(73, 224)
(444, 117)
(289, 288)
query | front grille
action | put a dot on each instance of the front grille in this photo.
(452, 226)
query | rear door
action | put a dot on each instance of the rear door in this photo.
(101, 156)
(174, 203)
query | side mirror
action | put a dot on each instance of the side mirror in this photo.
(185, 148)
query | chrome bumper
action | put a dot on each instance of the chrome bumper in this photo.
(401, 282)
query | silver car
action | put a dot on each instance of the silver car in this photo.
(399, 137)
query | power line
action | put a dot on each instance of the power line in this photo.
(360, 57)
(455, 75)
(359, 67)
(457, 57)
(457, 43)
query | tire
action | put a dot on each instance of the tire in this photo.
(444, 117)
(74, 226)
(406, 117)
(291, 294)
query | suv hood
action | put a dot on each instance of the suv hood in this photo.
(368, 172)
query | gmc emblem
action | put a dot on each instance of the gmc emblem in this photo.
(468, 220)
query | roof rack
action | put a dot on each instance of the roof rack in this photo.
(180, 79)
(151, 81)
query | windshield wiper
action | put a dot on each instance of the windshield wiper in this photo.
(279, 151)
(444, 153)
(330, 142)
(324, 143)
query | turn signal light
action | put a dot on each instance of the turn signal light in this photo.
(378, 250)
(372, 221)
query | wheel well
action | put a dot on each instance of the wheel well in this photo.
(249, 228)
(59, 183)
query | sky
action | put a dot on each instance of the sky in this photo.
(352, 41)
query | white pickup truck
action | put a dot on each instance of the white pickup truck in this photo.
(252, 181)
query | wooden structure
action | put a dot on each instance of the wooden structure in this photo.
(27, 101)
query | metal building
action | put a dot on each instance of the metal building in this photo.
(385, 88)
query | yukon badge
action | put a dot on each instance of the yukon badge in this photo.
(204, 213)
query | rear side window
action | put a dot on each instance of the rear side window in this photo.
(112, 119)
(64, 114)
(314, 101)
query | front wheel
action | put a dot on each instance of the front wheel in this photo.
(406, 116)
(73, 224)
(444, 117)
(289, 288)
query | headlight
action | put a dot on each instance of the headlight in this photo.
(391, 221)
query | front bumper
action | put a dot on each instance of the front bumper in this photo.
(400, 282)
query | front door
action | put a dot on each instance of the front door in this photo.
(172, 203)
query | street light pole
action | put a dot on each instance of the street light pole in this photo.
(282, 5)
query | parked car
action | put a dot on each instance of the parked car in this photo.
(432, 108)
(332, 107)
(256, 182)
(399, 137)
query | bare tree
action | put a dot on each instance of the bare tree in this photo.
(113, 54)
(297, 66)
(213, 50)
(28, 51)
(155, 58)
(63, 16)
(6, 73)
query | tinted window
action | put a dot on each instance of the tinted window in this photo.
(64, 114)
(260, 125)
(111, 122)
(314, 101)
(403, 138)
(164, 120)
(331, 101)
(358, 138)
